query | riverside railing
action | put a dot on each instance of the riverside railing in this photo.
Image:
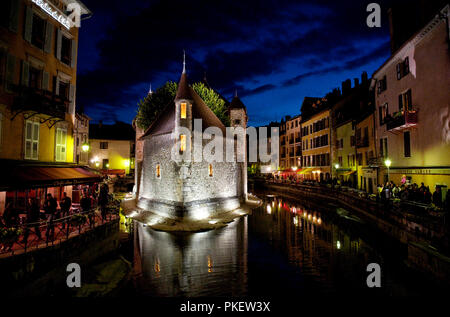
(31, 236)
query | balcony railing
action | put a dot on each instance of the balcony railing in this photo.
(401, 120)
(40, 101)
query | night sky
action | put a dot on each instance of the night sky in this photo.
(273, 52)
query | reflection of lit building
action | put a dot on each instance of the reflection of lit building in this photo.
(173, 265)
(412, 107)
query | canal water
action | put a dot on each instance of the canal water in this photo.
(284, 248)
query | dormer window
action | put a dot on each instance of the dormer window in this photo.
(183, 106)
(182, 143)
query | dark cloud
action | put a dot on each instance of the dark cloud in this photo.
(239, 44)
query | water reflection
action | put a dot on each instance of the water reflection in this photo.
(281, 248)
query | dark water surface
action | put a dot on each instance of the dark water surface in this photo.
(282, 249)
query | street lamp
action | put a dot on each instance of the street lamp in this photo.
(388, 163)
(85, 147)
(336, 166)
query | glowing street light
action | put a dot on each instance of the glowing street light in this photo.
(85, 147)
(388, 163)
(336, 166)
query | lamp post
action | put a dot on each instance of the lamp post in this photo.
(388, 163)
(85, 147)
(336, 167)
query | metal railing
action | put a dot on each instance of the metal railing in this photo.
(41, 234)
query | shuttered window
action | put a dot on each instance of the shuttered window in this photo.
(31, 140)
(60, 148)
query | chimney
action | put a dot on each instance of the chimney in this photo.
(346, 86)
(364, 77)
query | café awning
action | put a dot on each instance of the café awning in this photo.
(19, 177)
(349, 173)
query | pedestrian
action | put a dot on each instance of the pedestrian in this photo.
(50, 205)
(10, 218)
(103, 200)
(65, 205)
(86, 207)
(427, 196)
(33, 218)
(437, 197)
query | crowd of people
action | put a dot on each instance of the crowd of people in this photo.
(389, 191)
(34, 217)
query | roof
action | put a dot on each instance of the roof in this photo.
(119, 131)
(312, 106)
(165, 123)
(183, 91)
(236, 103)
(21, 175)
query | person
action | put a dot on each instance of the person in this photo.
(427, 196)
(50, 205)
(33, 217)
(85, 204)
(103, 200)
(65, 205)
(10, 217)
(437, 197)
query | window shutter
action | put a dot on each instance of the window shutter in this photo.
(10, 69)
(74, 54)
(28, 139)
(14, 16)
(28, 24)
(58, 44)
(35, 141)
(63, 144)
(48, 37)
(399, 73)
(45, 80)
(57, 86)
(72, 99)
(25, 73)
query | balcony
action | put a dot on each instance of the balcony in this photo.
(39, 101)
(401, 120)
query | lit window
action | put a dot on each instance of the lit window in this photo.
(158, 171)
(210, 170)
(182, 143)
(183, 110)
(31, 140)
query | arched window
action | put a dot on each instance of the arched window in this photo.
(210, 170)
(182, 142)
(183, 110)
(158, 171)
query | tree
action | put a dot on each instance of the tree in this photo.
(151, 106)
(213, 101)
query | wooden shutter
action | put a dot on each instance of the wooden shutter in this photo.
(74, 53)
(25, 73)
(14, 15)
(57, 86)
(28, 139)
(58, 44)
(72, 99)
(35, 148)
(48, 37)
(10, 71)
(28, 24)
(45, 80)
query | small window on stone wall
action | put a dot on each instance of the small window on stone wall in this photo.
(183, 110)
(210, 170)
(158, 171)
(182, 142)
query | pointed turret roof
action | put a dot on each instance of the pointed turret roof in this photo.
(236, 103)
(183, 91)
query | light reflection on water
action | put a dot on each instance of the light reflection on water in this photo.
(281, 248)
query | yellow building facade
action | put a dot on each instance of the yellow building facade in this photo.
(366, 153)
(316, 146)
(344, 162)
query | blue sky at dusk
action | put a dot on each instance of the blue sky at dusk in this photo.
(273, 52)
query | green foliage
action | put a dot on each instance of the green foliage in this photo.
(213, 101)
(78, 220)
(9, 235)
(152, 105)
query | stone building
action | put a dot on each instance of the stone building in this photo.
(190, 188)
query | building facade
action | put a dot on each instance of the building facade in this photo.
(38, 60)
(112, 148)
(413, 107)
(316, 140)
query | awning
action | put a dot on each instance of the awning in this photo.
(306, 170)
(113, 172)
(349, 173)
(16, 177)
